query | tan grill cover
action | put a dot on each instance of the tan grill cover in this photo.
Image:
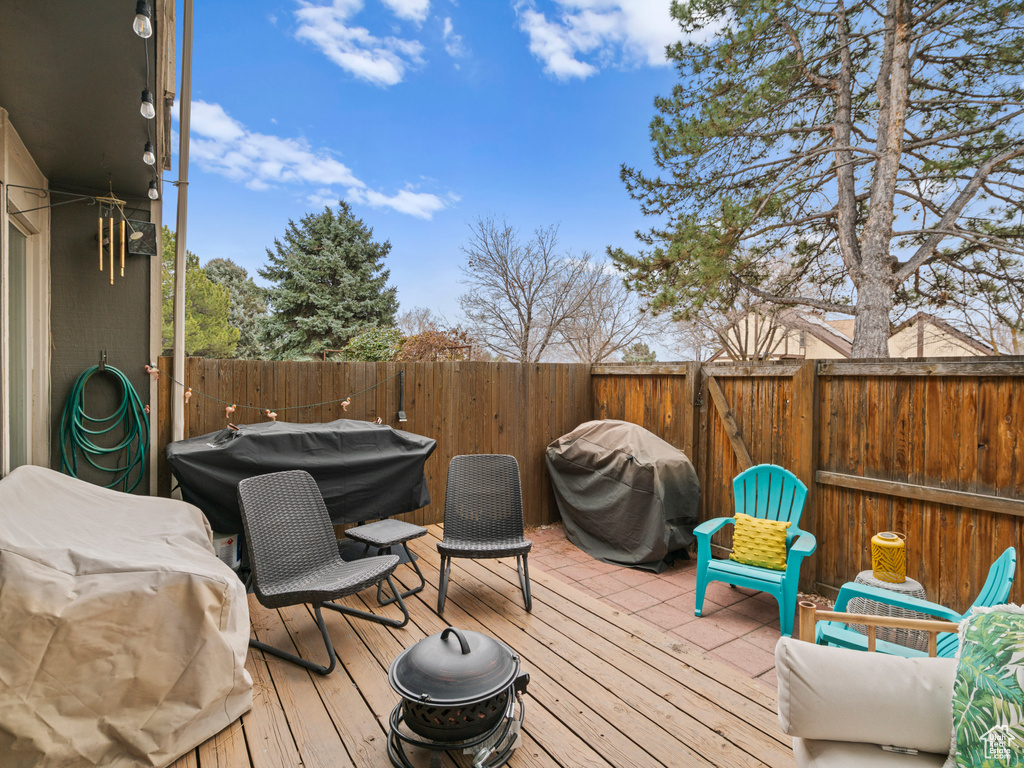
(625, 495)
(122, 636)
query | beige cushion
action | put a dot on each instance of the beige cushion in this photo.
(847, 754)
(837, 694)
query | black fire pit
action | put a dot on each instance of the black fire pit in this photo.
(461, 691)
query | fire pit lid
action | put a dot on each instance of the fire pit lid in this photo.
(453, 667)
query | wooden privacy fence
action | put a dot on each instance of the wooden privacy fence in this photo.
(933, 449)
(466, 407)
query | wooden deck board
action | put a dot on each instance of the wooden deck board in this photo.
(317, 740)
(571, 725)
(635, 680)
(606, 690)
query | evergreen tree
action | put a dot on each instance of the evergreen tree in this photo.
(374, 345)
(248, 306)
(871, 152)
(208, 332)
(329, 284)
(639, 354)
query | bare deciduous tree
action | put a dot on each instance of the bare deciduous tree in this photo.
(610, 321)
(691, 340)
(520, 294)
(986, 301)
(419, 320)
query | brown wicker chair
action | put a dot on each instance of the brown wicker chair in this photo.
(294, 556)
(483, 517)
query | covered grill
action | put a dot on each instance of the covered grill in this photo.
(461, 691)
(625, 495)
(363, 470)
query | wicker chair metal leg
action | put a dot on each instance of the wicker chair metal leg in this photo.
(409, 592)
(524, 580)
(319, 669)
(374, 617)
(442, 587)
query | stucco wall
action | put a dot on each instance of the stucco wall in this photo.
(819, 350)
(89, 315)
(937, 343)
(789, 342)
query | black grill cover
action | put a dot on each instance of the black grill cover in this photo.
(625, 495)
(364, 470)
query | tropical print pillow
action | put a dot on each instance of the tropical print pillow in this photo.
(988, 692)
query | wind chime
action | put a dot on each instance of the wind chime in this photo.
(113, 207)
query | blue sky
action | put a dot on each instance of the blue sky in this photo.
(424, 114)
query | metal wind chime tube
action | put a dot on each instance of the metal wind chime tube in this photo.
(110, 223)
(114, 209)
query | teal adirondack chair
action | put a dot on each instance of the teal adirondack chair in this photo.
(996, 590)
(772, 493)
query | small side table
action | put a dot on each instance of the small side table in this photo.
(911, 638)
(385, 534)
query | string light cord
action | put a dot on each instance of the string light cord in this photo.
(261, 408)
(76, 198)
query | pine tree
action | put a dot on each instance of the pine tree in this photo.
(248, 306)
(329, 284)
(639, 354)
(870, 152)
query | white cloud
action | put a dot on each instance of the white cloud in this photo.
(322, 198)
(553, 44)
(413, 10)
(220, 144)
(419, 204)
(604, 31)
(379, 60)
(212, 122)
(452, 43)
(223, 145)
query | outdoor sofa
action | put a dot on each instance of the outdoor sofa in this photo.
(844, 707)
(123, 637)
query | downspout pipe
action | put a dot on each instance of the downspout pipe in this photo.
(184, 124)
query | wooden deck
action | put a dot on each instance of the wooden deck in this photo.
(605, 690)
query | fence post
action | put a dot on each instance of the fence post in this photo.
(691, 427)
(805, 437)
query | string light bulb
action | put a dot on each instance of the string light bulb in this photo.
(148, 156)
(154, 192)
(146, 107)
(143, 24)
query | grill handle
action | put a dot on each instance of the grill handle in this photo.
(520, 683)
(462, 640)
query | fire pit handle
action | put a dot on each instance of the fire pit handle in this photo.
(462, 640)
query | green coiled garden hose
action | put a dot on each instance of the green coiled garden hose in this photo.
(76, 437)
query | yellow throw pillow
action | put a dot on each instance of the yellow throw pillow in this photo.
(759, 542)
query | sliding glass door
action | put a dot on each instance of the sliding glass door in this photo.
(17, 339)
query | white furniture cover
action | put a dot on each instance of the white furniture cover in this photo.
(122, 636)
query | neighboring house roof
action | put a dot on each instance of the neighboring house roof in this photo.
(844, 326)
(825, 331)
(979, 346)
(838, 334)
(794, 320)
